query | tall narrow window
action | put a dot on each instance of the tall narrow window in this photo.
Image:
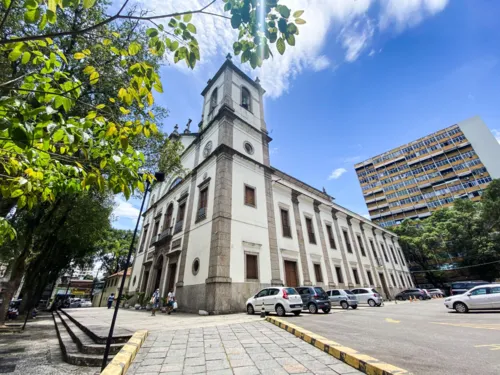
(317, 272)
(402, 257)
(246, 99)
(144, 236)
(249, 196)
(213, 100)
(251, 267)
(310, 230)
(402, 280)
(361, 247)
(409, 281)
(385, 253)
(347, 242)
(370, 279)
(375, 256)
(285, 223)
(340, 277)
(331, 239)
(394, 256)
(356, 276)
(180, 217)
(393, 280)
(168, 217)
(202, 204)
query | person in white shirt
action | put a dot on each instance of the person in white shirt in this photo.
(170, 301)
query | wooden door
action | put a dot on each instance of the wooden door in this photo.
(171, 277)
(384, 285)
(291, 274)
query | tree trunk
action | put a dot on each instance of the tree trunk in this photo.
(15, 279)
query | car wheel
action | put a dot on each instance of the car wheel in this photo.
(250, 310)
(326, 311)
(460, 307)
(372, 303)
(296, 313)
(313, 309)
(379, 304)
(420, 298)
(280, 310)
(344, 305)
(354, 307)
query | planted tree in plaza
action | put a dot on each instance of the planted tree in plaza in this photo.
(112, 250)
(76, 99)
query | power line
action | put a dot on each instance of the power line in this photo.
(458, 268)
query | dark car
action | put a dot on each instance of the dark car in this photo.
(314, 298)
(413, 293)
(460, 287)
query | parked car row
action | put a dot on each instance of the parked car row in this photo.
(283, 300)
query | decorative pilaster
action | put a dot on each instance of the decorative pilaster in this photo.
(271, 230)
(300, 237)
(323, 244)
(341, 246)
(396, 278)
(354, 241)
(369, 249)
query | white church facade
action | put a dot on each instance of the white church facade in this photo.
(234, 224)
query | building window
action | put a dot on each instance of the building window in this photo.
(180, 217)
(251, 267)
(202, 204)
(196, 266)
(317, 272)
(338, 271)
(402, 281)
(385, 253)
(249, 196)
(402, 258)
(347, 242)
(370, 279)
(168, 217)
(310, 230)
(248, 148)
(356, 276)
(246, 99)
(176, 182)
(394, 256)
(393, 280)
(377, 259)
(409, 281)
(213, 100)
(285, 223)
(330, 236)
(144, 236)
(361, 247)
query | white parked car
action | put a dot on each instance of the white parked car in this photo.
(483, 297)
(369, 296)
(281, 300)
(86, 303)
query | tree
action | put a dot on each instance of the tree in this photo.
(113, 249)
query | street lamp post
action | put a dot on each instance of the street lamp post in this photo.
(160, 177)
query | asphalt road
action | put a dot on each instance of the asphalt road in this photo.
(422, 337)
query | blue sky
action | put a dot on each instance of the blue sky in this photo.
(365, 76)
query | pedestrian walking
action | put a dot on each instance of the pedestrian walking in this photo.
(170, 302)
(155, 300)
(111, 298)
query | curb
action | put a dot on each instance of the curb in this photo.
(353, 358)
(123, 359)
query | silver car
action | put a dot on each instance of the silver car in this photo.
(369, 296)
(344, 298)
(483, 297)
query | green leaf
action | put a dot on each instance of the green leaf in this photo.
(16, 193)
(79, 56)
(284, 11)
(245, 56)
(151, 32)
(89, 69)
(32, 16)
(174, 45)
(297, 13)
(51, 17)
(292, 28)
(6, 3)
(134, 48)
(21, 202)
(94, 77)
(282, 25)
(158, 87)
(227, 7)
(237, 47)
(31, 4)
(235, 21)
(191, 28)
(172, 23)
(187, 17)
(15, 54)
(300, 21)
(26, 57)
(88, 3)
(52, 5)
(103, 163)
(280, 46)
(290, 39)
(43, 22)
(253, 60)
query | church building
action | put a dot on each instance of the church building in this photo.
(233, 224)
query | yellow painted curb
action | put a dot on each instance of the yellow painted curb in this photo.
(123, 359)
(361, 362)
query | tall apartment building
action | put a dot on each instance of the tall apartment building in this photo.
(234, 224)
(417, 178)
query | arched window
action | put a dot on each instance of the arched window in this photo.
(168, 216)
(213, 100)
(246, 99)
(176, 182)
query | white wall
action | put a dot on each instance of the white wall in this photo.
(484, 143)
(242, 133)
(252, 117)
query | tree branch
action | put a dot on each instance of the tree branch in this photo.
(111, 19)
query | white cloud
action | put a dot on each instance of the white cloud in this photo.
(337, 173)
(408, 13)
(352, 159)
(353, 24)
(496, 134)
(124, 209)
(273, 150)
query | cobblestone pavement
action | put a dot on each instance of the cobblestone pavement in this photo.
(248, 348)
(36, 351)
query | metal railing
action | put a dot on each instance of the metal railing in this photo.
(178, 226)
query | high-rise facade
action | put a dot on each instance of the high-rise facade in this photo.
(413, 180)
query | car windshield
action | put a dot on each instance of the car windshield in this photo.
(291, 291)
(348, 292)
(319, 291)
(375, 291)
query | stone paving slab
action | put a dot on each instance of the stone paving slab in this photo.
(251, 347)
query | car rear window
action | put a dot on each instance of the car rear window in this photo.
(319, 291)
(459, 286)
(375, 291)
(291, 291)
(348, 292)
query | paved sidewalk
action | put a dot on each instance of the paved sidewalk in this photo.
(247, 348)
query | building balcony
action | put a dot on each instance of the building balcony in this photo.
(201, 215)
(178, 226)
(164, 236)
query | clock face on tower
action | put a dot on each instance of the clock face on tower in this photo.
(207, 149)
